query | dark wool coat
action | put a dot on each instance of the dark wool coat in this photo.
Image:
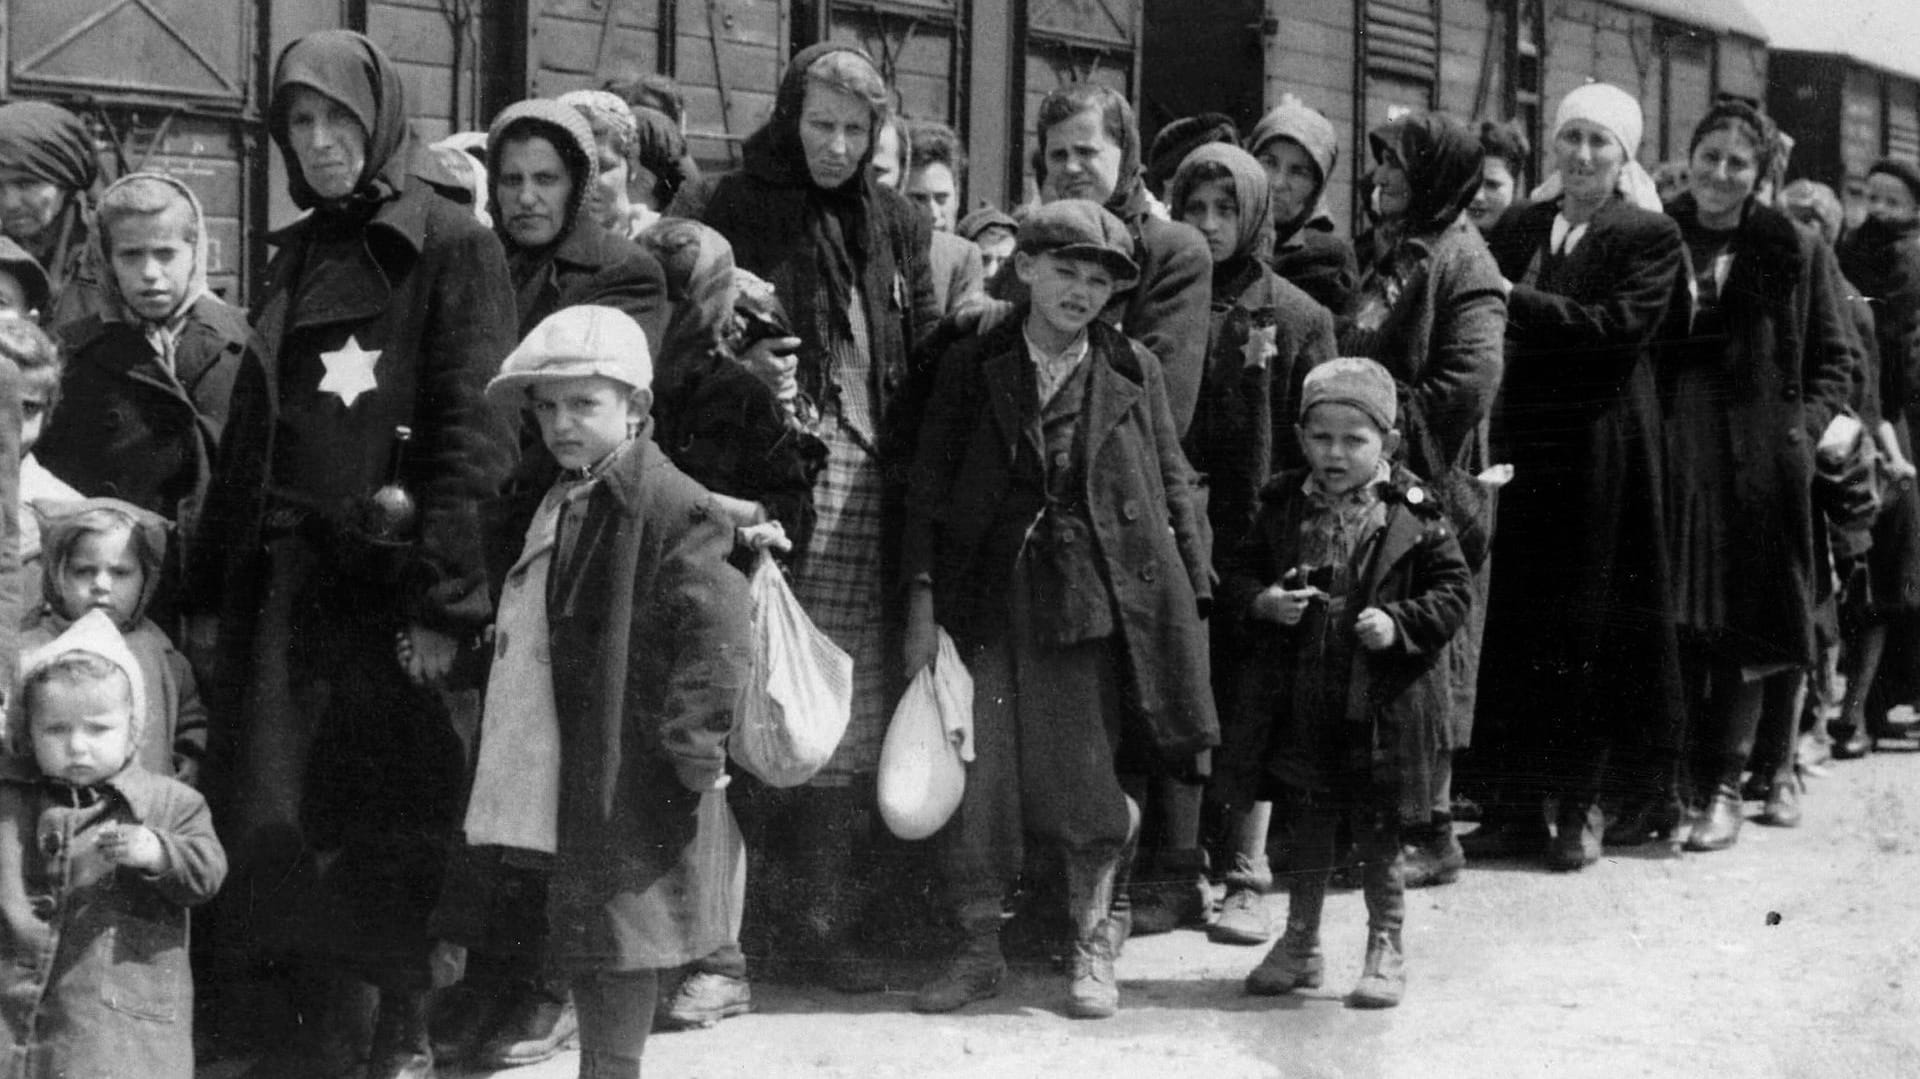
(1321, 263)
(649, 630)
(1580, 618)
(1884, 261)
(126, 428)
(1249, 401)
(592, 266)
(1396, 698)
(1149, 540)
(1745, 407)
(97, 984)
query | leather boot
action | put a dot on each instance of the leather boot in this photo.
(1176, 894)
(975, 972)
(1383, 979)
(402, 1046)
(1576, 841)
(1295, 961)
(1718, 827)
(1093, 992)
(464, 1017)
(537, 1025)
(1783, 801)
(1434, 856)
(331, 1043)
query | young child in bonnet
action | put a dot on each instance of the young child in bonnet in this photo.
(99, 861)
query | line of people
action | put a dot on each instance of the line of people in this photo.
(1247, 533)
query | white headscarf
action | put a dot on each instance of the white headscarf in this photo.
(1616, 112)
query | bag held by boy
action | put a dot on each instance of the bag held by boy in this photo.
(799, 692)
(929, 743)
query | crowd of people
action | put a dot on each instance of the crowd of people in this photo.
(398, 624)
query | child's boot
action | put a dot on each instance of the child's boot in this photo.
(976, 971)
(402, 1046)
(1383, 979)
(1093, 994)
(1295, 961)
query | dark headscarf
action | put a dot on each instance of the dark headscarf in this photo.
(841, 228)
(351, 70)
(1442, 160)
(1182, 137)
(659, 157)
(46, 141)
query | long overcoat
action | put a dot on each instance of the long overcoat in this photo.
(97, 982)
(1747, 398)
(1398, 697)
(1150, 540)
(649, 633)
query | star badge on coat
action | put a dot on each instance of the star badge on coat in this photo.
(349, 371)
(1261, 347)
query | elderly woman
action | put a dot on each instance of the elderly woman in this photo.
(1297, 147)
(1265, 334)
(1580, 630)
(386, 308)
(47, 175)
(1767, 365)
(849, 260)
(1432, 310)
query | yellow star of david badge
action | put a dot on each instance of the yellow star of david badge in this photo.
(349, 371)
(1260, 346)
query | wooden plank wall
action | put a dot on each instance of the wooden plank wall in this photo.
(1311, 57)
(419, 37)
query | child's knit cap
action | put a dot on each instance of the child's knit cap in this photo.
(979, 221)
(1080, 229)
(575, 342)
(1355, 381)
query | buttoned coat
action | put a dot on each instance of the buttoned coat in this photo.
(649, 631)
(97, 982)
(1149, 537)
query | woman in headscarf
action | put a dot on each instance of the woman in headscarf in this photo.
(47, 175)
(381, 318)
(1431, 309)
(1265, 334)
(850, 262)
(1296, 145)
(1750, 391)
(1580, 632)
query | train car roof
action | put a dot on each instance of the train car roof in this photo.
(1882, 34)
(1720, 16)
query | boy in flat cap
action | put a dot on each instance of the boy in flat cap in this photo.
(1342, 597)
(1051, 530)
(619, 648)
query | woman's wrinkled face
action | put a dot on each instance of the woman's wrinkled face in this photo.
(1723, 171)
(1214, 209)
(1494, 194)
(28, 204)
(835, 129)
(1392, 190)
(1589, 159)
(532, 189)
(1292, 177)
(1082, 162)
(327, 140)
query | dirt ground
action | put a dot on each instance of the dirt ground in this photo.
(1791, 955)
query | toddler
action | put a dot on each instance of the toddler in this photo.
(99, 860)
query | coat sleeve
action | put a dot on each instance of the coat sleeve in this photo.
(1170, 311)
(196, 862)
(1833, 358)
(465, 446)
(1643, 264)
(969, 276)
(707, 607)
(638, 286)
(1454, 392)
(1442, 594)
(923, 310)
(1191, 534)
(189, 720)
(952, 410)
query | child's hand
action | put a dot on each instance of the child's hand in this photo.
(134, 846)
(1287, 606)
(773, 360)
(1376, 629)
(446, 964)
(425, 654)
(764, 535)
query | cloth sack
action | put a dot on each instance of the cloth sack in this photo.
(929, 742)
(799, 692)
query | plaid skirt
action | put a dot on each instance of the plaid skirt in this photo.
(838, 582)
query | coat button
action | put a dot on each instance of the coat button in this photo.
(1061, 460)
(1790, 393)
(1131, 511)
(1146, 573)
(43, 907)
(500, 645)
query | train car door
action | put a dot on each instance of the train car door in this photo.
(181, 102)
(1202, 56)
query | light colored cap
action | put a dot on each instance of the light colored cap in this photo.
(575, 342)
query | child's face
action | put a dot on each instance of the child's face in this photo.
(102, 572)
(1213, 208)
(153, 260)
(1343, 447)
(82, 731)
(1068, 293)
(33, 411)
(996, 247)
(584, 419)
(13, 298)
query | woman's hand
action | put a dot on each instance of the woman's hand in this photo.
(1376, 630)
(1286, 606)
(425, 654)
(764, 535)
(923, 637)
(776, 362)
